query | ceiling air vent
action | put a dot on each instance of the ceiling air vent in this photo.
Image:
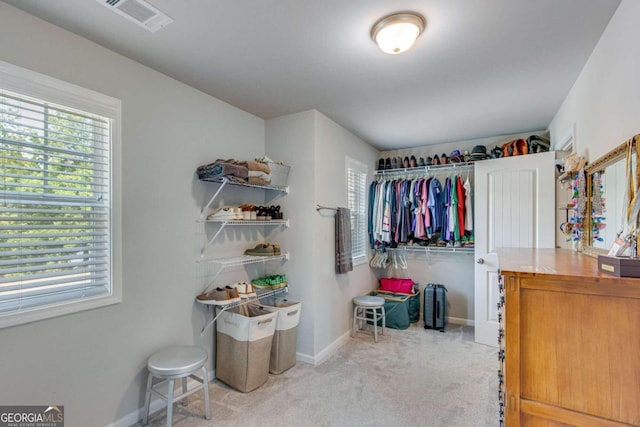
(140, 12)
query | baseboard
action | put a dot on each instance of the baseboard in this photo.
(156, 404)
(325, 353)
(460, 321)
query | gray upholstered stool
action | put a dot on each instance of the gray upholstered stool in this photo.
(368, 304)
(173, 363)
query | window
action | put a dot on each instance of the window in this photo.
(59, 207)
(357, 203)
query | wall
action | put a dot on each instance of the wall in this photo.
(291, 140)
(93, 362)
(603, 103)
(315, 147)
(335, 292)
(454, 270)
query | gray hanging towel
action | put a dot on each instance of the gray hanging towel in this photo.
(344, 263)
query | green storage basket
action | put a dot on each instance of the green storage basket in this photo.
(400, 309)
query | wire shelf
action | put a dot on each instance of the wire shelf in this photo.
(219, 309)
(225, 180)
(243, 260)
(225, 222)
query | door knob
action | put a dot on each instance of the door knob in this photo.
(480, 261)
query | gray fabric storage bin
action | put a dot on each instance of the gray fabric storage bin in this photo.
(283, 349)
(243, 346)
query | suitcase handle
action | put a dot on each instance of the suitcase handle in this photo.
(291, 313)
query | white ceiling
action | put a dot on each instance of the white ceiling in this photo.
(481, 68)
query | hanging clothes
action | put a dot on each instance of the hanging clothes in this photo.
(468, 211)
(435, 204)
(461, 204)
(418, 210)
(454, 225)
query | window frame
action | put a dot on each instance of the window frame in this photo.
(361, 168)
(36, 85)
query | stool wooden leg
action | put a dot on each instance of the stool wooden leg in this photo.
(170, 402)
(205, 384)
(147, 400)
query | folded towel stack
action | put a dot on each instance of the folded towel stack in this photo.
(257, 166)
(254, 172)
(221, 168)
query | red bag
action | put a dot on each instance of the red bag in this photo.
(392, 284)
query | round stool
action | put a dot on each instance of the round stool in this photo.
(368, 304)
(173, 363)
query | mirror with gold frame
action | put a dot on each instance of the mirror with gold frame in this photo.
(606, 191)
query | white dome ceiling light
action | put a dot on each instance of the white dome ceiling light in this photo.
(398, 32)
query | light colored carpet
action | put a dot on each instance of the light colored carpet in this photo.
(414, 377)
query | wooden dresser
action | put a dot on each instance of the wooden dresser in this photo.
(571, 341)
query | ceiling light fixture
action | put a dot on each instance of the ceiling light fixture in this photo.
(396, 33)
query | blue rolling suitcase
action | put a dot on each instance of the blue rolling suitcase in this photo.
(435, 307)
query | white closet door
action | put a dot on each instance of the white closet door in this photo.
(514, 207)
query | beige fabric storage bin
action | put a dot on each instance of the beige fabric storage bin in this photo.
(283, 349)
(244, 337)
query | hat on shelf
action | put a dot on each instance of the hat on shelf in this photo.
(479, 152)
(456, 157)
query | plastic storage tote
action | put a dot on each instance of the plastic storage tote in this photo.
(283, 349)
(243, 346)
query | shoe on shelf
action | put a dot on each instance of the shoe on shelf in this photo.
(405, 163)
(262, 249)
(276, 249)
(244, 289)
(246, 208)
(232, 291)
(274, 281)
(387, 163)
(223, 214)
(380, 164)
(421, 162)
(217, 296)
(238, 212)
(261, 213)
(394, 163)
(413, 162)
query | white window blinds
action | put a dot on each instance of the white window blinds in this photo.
(357, 203)
(55, 203)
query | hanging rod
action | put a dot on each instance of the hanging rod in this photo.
(320, 207)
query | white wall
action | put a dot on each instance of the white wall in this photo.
(93, 362)
(315, 147)
(603, 102)
(454, 270)
(291, 140)
(335, 291)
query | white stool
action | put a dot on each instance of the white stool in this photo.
(170, 364)
(371, 304)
